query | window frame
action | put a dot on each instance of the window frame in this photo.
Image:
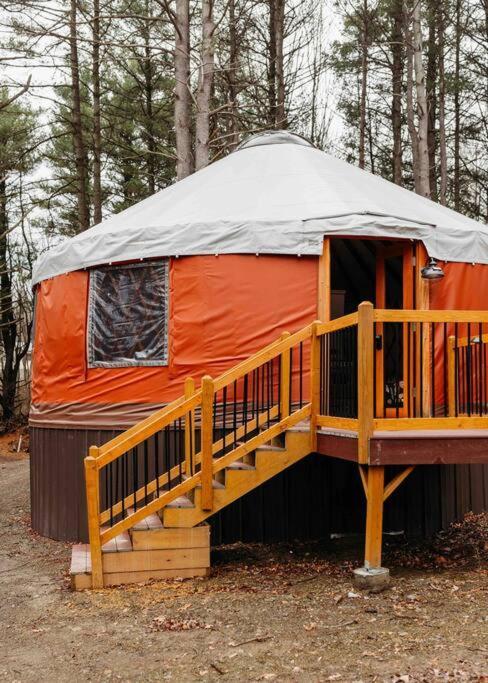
(92, 302)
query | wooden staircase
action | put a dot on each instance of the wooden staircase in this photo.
(240, 477)
(175, 543)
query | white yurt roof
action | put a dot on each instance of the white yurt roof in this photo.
(276, 194)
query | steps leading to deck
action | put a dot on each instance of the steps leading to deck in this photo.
(148, 552)
(177, 542)
(239, 480)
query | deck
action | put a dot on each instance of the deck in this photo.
(376, 387)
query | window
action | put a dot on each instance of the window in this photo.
(128, 316)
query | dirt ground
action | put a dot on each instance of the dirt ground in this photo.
(266, 613)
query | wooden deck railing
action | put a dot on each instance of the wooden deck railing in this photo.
(339, 374)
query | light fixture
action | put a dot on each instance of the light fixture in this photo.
(432, 271)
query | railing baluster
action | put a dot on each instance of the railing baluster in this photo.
(189, 437)
(134, 476)
(285, 380)
(314, 383)
(146, 470)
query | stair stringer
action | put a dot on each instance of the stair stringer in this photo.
(268, 463)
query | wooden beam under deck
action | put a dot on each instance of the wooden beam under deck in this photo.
(427, 448)
(413, 447)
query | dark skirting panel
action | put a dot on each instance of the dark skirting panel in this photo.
(315, 497)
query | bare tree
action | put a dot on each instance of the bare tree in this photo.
(397, 53)
(77, 125)
(422, 170)
(204, 90)
(97, 133)
(442, 108)
(184, 158)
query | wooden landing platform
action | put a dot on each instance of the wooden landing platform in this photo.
(409, 447)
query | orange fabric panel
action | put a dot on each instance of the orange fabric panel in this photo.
(463, 287)
(222, 309)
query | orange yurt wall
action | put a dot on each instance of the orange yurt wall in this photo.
(464, 286)
(222, 309)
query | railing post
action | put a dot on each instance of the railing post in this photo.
(207, 443)
(314, 383)
(451, 376)
(285, 395)
(92, 482)
(189, 430)
(365, 379)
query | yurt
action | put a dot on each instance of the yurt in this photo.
(199, 276)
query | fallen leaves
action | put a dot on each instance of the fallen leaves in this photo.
(169, 624)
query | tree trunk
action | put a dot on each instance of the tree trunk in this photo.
(280, 120)
(78, 141)
(364, 86)
(442, 109)
(422, 110)
(97, 135)
(205, 79)
(432, 67)
(148, 71)
(457, 109)
(397, 84)
(412, 131)
(7, 317)
(184, 161)
(233, 125)
(272, 65)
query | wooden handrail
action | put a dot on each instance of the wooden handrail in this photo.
(337, 324)
(430, 316)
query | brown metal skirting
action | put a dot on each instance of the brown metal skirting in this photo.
(94, 416)
(429, 451)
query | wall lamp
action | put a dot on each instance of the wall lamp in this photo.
(432, 271)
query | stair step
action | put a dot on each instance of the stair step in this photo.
(187, 554)
(146, 524)
(303, 426)
(164, 538)
(215, 483)
(239, 465)
(273, 449)
(181, 502)
(119, 544)
(80, 559)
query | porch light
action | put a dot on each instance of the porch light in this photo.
(432, 271)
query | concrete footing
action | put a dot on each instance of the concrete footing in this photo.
(374, 580)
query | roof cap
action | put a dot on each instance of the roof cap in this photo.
(274, 137)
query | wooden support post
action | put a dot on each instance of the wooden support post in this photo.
(422, 296)
(324, 290)
(207, 442)
(285, 397)
(189, 430)
(314, 384)
(374, 517)
(365, 379)
(92, 482)
(451, 376)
